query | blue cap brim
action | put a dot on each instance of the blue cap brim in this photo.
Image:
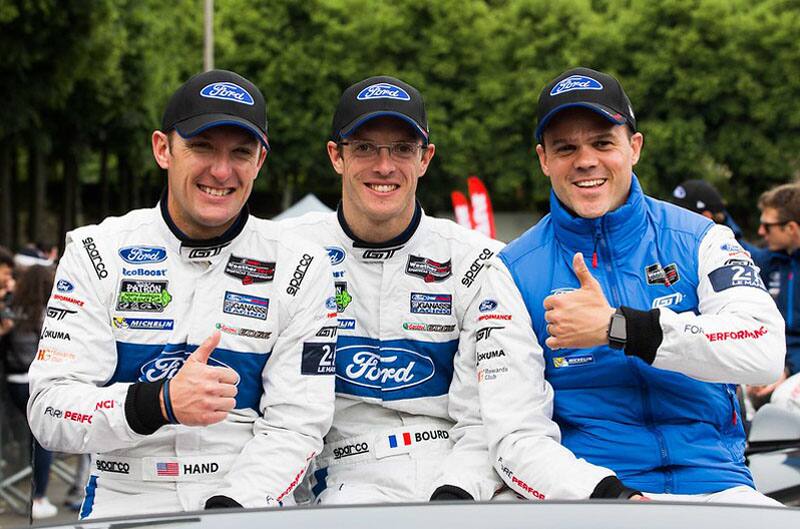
(186, 130)
(347, 131)
(606, 112)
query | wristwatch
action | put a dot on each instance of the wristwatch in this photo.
(617, 333)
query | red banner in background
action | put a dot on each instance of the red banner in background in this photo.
(461, 209)
(482, 214)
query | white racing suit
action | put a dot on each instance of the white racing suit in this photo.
(401, 324)
(787, 395)
(131, 302)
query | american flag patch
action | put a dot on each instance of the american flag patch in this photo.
(166, 469)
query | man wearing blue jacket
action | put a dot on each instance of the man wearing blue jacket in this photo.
(614, 379)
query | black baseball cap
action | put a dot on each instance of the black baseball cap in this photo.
(375, 97)
(698, 196)
(587, 88)
(215, 98)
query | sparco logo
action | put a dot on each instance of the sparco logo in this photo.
(390, 369)
(482, 334)
(299, 274)
(58, 313)
(377, 255)
(94, 255)
(475, 268)
(113, 466)
(350, 450)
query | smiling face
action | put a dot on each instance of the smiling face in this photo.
(209, 177)
(589, 161)
(378, 192)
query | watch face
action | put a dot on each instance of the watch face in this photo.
(617, 329)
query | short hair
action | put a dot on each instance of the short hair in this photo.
(785, 199)
(6, 257)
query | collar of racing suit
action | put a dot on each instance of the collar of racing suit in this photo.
(395, 242)
(620, 231)
(202, 249)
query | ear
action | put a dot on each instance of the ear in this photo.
(427, 156)
(542, 154)
(637, 142)
(335, 156)
(262, 156)
(160, 144)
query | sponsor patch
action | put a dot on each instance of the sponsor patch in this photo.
(477, 265)
(46, 354)
(387, 368)
(335, 254)
(68, 299)
(504, 317)
(250, 270)
(350, 450)
(95, 257)
(561, 290)
(576, 82)
(572, 361)
(484, 333)
(342, 297)
(383, 91)
(667, 276)
(227, 91)
(330, 303)
(486, 374)
(142, 324)
(57, 313)
(203, 254)
(743, 334)
(429, 270)
(666, 301)
(241, 331)
(428, 327)
(244, 305)
(117, 467)
(144, 272)
(168, 363)
(423, 303)
(489, 355)
(346, 324)
(380, 254)
(299, 274)
(327, 332)
(62, 285)
(54, 335)
(487, 305)
(142, 255)
(731, 276)
(318, 359)
(143, 295)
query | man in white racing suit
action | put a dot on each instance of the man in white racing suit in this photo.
(612, 375)
(177, 420)
(403, 283)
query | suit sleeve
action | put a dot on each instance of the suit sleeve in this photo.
(468, 465)
(738, 336)
(517, 402)
(297, 403)
(70, 410)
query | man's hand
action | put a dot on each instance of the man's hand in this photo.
(202, 394)
(760, 395)
(580, 318)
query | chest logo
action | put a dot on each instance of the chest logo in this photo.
(423, 303)
(429, 270)
(250, 270)
(388, 369)
(667, 276)
(244, 305)
(143, 295)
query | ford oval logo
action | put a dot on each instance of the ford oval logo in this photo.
(335, 254)
(575, 82)
(387, 369)
(383, 91)
(487, 305)
(64, 286)
(143, 254)
(227, 92)
(167, 365)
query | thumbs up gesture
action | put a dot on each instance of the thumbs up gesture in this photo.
(579, 318)
(202, 394)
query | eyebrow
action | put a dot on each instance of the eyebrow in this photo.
(592, 137)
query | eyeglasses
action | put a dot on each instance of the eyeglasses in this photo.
(768, 225)
(399, 150)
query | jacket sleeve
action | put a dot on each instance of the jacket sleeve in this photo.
(70, 410)
(468, 465)
(517, 402)
(297, 402)
(738, 336)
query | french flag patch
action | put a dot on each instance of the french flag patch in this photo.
(406, 440)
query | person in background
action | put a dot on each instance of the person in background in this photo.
(28, 305)
(704, 199)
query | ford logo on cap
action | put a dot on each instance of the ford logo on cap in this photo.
(575, 82)
(335, 254)
(383, 91)
(143, 254)
(227, 92)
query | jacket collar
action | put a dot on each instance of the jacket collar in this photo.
(622, 228)
(379, 251)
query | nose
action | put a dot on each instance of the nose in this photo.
(762, 231)
(585, 157)
(222, 167)
(383, 162)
